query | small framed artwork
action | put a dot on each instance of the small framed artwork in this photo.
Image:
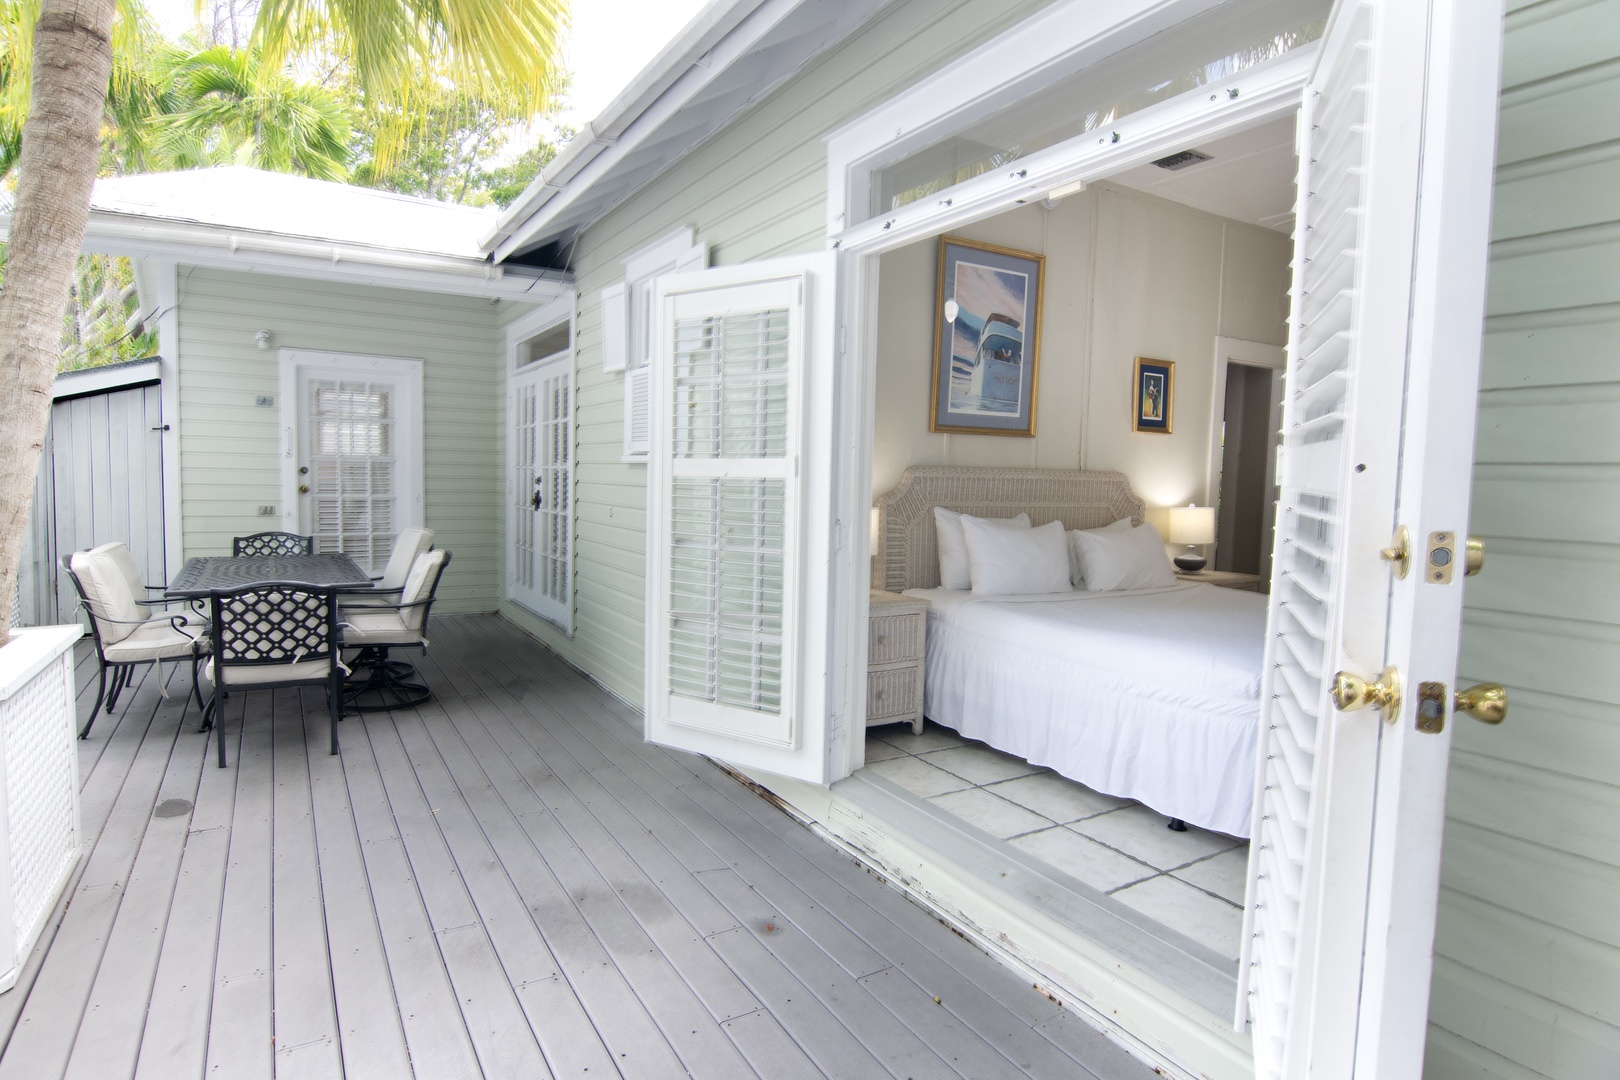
(987, 339)
(1153, 392)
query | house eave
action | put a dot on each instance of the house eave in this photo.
(732, 55)
(195, 244)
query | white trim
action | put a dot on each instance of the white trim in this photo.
(164, 278)
(1034, 54)
(1264, 92)
(667, 250)
(563, 309)
(408, 433)
(324, 260)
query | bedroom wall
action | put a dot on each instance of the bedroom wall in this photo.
(1127, 275)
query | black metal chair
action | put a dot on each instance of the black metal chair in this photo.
(126, 631)
(273, 543)
(269, 637)
(393, 684)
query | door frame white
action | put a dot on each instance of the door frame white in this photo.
(1267, 92)
(408, 429)
(1249, 354)
(564, 308)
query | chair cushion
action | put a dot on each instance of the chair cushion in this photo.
(363, 628)
(108, 594)
(154, 641)
(250, 675)
(423, 579)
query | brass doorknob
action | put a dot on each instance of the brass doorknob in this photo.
(1486, 702)
(303, 489)
(1352, 692)
(1474, 561)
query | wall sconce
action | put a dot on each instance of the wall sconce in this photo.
(1191, 525)
(261, 338)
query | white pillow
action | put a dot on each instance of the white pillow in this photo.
(1111, 559)
(1076, 578)
(1013, 562)
(953, 553)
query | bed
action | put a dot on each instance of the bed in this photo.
(1146, 694)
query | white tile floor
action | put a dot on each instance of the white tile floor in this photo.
(1191, 882)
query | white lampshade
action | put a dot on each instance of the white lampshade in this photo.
(1192, 525)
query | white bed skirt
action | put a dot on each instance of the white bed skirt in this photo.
(1186, 755)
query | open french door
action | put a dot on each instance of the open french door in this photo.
(739, 536)
(1396, 141)
(540, 487)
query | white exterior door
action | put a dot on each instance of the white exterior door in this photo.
(540, 488)
(1396, 145)
(738, 530)
(352, 458)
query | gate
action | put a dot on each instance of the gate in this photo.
(100, 479)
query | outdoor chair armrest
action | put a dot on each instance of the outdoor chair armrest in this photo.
(192, 631)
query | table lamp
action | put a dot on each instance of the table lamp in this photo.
(1191, 525)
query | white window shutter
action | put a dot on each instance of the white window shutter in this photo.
(636, 383)
(615, 319)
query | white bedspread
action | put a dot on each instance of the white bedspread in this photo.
(1150, 694)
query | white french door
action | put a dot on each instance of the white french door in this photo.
(738, 532)
(540, 488)
(1396, 140)
(352, 451)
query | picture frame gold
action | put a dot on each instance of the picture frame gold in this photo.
(987, 339)
(1153, 396)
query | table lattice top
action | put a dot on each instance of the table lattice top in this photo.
(200, 576)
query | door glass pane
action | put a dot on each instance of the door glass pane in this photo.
(1231, 38)
(353, 469)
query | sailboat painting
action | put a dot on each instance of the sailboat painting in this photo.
(987, 339)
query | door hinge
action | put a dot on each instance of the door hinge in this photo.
(840, 535)
(843, 340)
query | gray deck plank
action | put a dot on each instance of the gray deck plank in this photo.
(175, 1042)
(435, 1031)
(306, 1035)
(504, 882)
(241, 1025)
(109, 1038)
(564, 899)
(495, 1020)
(1020, 1040)
(372, 1034)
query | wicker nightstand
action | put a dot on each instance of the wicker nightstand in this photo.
(895, 640)
(1225, 579)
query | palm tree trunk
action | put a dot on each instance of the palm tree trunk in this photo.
(60, 151)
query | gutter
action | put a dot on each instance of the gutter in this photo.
(689, 49)
(120, 234)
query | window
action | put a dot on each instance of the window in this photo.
(627, 321)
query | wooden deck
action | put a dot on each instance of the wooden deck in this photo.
(506, 882)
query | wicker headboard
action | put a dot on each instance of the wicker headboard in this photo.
(908, 553)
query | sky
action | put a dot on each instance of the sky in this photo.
(609, 43)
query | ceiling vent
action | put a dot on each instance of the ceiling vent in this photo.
(1181, 160)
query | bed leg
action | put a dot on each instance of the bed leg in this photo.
(1177, 825)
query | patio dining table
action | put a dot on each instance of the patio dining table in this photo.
(202, 575)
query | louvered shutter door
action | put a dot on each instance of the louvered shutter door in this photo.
(554, 477)
(353, 467)
(732, 549)
(615, 317)
(1299, 647)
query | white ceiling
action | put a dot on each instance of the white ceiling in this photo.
(1250, 177)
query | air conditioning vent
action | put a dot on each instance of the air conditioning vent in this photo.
(1182, 160)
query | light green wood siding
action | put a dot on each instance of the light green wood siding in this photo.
(1527, 965)
(755, 190)
(230, 449)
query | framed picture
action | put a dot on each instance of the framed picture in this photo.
(987, 339)
(1154, 395)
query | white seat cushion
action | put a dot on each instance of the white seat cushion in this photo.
(154, 641)
(271, 674)
(108, 594)
(368, 628)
